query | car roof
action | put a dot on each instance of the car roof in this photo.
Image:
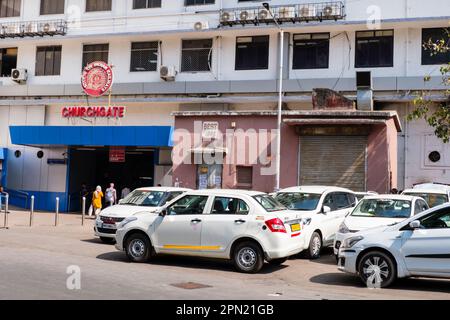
(426, 190)
(391, 197)
(227, 192)
(163, 189)
(315, 189)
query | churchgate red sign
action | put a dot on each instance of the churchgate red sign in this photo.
(117, 154)
(97, 78)
(93, 112)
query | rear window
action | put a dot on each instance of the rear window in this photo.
(299, 200)
(433, 199)
(269, 203)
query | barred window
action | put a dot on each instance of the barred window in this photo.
(198, 2)
(48, 61)
(95, 52)
(8, 61)
(10, 8)
(144, 56)
(52, 7)
(145, 4)
(311, 51)
(98, 5)
(252, 53)
(374, 49)
(196, 55)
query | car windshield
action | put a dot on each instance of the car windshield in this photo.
(144, 198)
(299, 200)
(383, 208)
(433, 199)
(269, 203)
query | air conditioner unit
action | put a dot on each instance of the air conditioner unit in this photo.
(286, 12)
(31, 28)
(227, 16)
(263, 14)
(168, 73)
(49, 27)
(13, 29)
(201, 25)
(246, 15)
(330, 11)
(307, 11)
(19, 75)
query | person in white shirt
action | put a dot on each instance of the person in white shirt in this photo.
(125, 191)
(111, 195)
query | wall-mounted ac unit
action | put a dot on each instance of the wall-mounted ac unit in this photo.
(13, 29)
(201, 25)
(246, 15)
(286, 12)
(307, 11)
(168, 73)
(19, 75)
(227, 16)
(330, 11)
(263, 14)
(49, 27)
(31, 28)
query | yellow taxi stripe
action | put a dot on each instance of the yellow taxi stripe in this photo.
(181, 247)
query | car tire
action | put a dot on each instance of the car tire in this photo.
(377, 269)
(277, 262)
(315, 246)
(107, 240)
(248, 257)
(138, 248)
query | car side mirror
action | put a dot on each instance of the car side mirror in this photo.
(413, 225)
(326, 209)
(163, 213)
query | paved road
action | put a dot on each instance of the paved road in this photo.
(34, 262)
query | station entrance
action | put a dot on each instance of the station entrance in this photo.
(96, 167)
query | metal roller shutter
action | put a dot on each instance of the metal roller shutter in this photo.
(333, 160)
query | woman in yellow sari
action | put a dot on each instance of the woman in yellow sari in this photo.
(97, 200)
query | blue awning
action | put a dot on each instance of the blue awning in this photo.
(2, 154)
(140, 136)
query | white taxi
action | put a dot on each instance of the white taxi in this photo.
(247, 227)
(149, 199)
(433, 193)
(322, 210)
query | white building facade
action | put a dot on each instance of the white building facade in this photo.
(220, 62)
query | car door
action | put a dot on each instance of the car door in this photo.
(427, 250)
(179, 231)
(340, 205)
(325, 220)
(227, 218)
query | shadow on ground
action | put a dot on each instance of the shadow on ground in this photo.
(188, 262)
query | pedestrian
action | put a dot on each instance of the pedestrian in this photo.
(96, 202)
(111, 195)
(125, 191)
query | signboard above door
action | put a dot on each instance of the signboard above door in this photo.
(117, 154)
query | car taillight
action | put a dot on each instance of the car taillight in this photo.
(276, 225)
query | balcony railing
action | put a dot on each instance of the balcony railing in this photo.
(23, 29)
(283, 13)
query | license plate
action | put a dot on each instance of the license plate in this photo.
(295, 227)
(109, 226)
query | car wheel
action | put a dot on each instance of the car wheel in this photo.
(277, 262)
(138, 248)
(315, 246)
(107, 240)
(377, 269)
(248, 257)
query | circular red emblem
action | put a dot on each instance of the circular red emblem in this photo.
(97, 78)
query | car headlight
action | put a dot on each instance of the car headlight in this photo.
(126, 221)
(343, 228)
(350, 242)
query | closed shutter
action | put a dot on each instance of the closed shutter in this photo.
(333, 161)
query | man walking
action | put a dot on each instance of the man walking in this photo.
(111, 195)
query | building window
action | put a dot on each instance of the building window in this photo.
(196, 55)
(144, 56)
(311, 51)
(374, 49)
(430, 57)
(95, 52)
(244, 176)
(252, 53)
(145, 4)
(198, 2)
(48, 61)
(8, 61)
(52, 7)
(98, 5)
(10, 8)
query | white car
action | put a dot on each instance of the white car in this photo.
(149, 199)
(416, 247)
(375, 211)
(322, 208)
(433, 193)
(361, 195)
(246, 227)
